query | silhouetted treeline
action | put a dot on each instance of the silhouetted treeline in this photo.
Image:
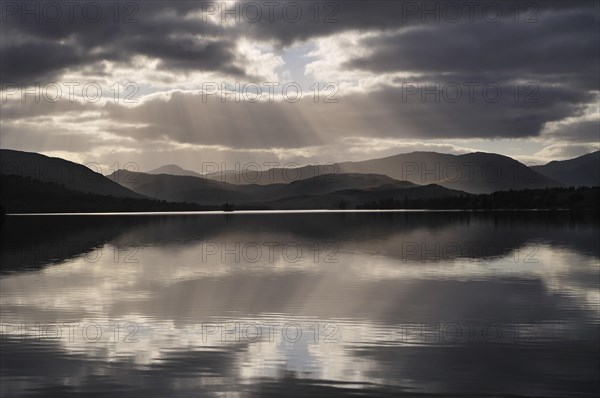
(27, 195)
(549, 198)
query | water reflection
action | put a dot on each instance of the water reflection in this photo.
(326, 304)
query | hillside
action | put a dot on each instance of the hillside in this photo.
(181, 188)
(174, 170)
(580, 171)
(353, 198)
(477, 172)
(207, 192)
(37, 183)
(27, 195)
(73, 176)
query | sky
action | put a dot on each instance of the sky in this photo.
(140, 84)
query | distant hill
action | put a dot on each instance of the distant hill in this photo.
(353, 198)
(208, 192)
(174, 170)
(56, 170)
(581, 171)
(476, 172)
(336, 182)
(28, 195)
(177, 188)
(35, 182)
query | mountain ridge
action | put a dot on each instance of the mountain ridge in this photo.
(72, 175)
(173, 169)
(341, 185)
(580, 171)
(476, 172)
(205, 191)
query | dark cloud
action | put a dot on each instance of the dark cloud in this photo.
(34, 61)
(34, 50)
(554, 45)
(560, 47)
(40, 44)
(323, 18)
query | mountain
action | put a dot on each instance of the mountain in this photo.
(29, 195)
(73, 176)
(476, 172)
(177, 188)
(173, 169)
(208, 192)
(38, 179)
(337, 182)
(581, 171)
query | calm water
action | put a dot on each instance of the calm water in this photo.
(382, 304)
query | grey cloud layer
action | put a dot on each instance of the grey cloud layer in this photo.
(387, 112)
(557, 50)
(337, 16)
(165, 30)
(40, 50)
